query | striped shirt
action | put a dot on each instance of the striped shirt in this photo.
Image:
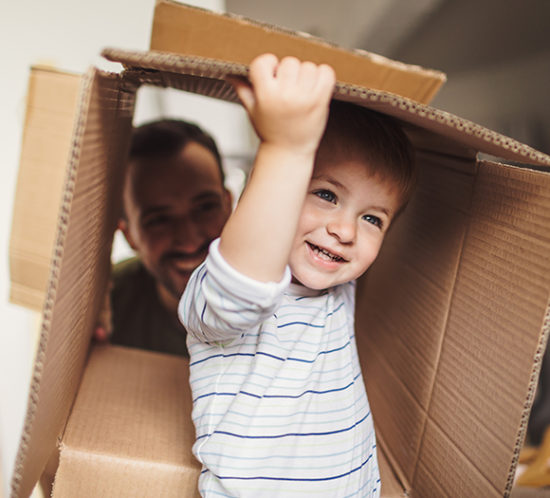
(279, 404)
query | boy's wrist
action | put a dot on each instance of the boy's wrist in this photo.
(287, 154)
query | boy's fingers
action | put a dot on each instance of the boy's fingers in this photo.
(326, 79)
(288, 70)
(263, 68)
(244, 91)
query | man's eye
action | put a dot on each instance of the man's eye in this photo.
(373, 220)
(155, 221)
(208, 206)
(326, 195)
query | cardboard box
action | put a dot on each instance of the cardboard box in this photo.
(452, 319)
(187, 30)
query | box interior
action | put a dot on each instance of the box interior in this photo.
(451, 319)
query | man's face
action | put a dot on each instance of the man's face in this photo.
(174, 208)
(345, 216)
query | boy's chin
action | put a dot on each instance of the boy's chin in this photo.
(312, 282)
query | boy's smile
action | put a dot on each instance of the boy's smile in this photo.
(345, 216)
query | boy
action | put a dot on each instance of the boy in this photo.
(280, 407)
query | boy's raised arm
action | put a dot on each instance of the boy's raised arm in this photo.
(287, 102)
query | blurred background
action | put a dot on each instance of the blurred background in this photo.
(496, 55)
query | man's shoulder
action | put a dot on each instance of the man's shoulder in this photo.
(129, 273)
(130, 266)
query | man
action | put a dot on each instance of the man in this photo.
(175, 204)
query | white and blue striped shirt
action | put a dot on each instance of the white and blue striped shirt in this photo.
(279, 404)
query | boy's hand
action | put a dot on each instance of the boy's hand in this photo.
(287, 101)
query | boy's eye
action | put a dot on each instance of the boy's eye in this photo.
(326, 195)
(374, 220)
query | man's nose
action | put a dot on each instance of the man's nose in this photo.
(187, 234)
(343, 227)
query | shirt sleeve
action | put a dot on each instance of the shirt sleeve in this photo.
(220, 304)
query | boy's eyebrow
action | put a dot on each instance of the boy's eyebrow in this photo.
(331, 180)
(382, 209)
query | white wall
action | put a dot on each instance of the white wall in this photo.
(68, 34)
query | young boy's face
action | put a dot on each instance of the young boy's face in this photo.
(343, 222)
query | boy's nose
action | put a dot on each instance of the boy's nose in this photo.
(343, 228)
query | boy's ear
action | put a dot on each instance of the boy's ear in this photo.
(123, 227)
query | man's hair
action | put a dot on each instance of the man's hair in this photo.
(377, 140)
(166, 137)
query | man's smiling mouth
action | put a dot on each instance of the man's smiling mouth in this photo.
(185, 262)
(324, 254)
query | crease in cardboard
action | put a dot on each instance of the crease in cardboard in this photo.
(467, 462)
(531, 391)
(89, 455)
(395, 468)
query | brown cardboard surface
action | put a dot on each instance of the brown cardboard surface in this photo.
(130, 432)
(402, 324)
(500, 297)
(525, 492)
(451, 320)
(78, 270)
(187, 30)
(51, 105)
(391, 486)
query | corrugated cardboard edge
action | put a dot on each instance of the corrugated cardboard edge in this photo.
(467, 133)
(533, 383)
(421, 84)
(51, 291)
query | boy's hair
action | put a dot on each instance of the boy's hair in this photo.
(167, 137)
(377, 140)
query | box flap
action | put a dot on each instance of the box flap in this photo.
(79, 268)
(130, 431)
(192, 31)
(433, 128)
(52, 98)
